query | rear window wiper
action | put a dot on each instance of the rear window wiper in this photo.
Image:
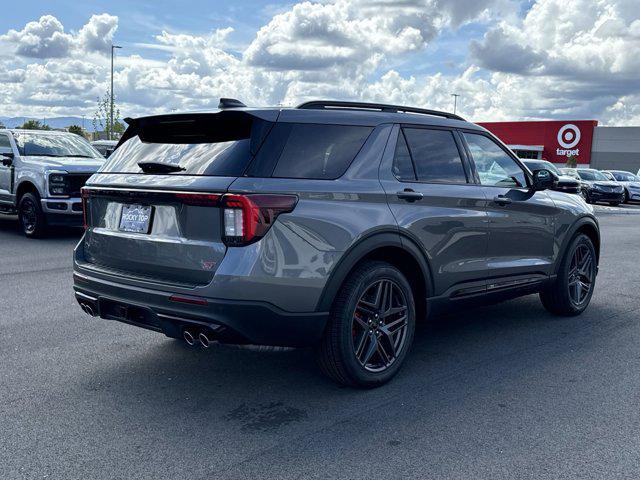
(159, 167)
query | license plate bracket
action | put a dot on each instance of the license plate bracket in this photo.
(136, 218)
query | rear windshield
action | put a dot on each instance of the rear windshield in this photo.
(216, 145)
(251, 147)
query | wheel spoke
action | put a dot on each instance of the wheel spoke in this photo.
(371, 349)
(393, 311)
(386, 358)
(585, 269)
(361, 343)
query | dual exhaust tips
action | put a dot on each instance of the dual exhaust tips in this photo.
(191, 337)
(88, 309)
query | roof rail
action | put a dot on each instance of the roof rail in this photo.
(329, 104)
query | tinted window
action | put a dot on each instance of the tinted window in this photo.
(494, 166)
(216, 159)
(402, 165)
(317, 151)
(435, 155)
(216, 145)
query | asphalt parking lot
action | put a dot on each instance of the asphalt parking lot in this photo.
(504, 391)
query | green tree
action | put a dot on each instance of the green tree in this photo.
(2, 125)
(35, 125)
(103, 114)
(572, 161)
(77, 129)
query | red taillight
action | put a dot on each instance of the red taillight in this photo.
(84, 194)
(199, 199)
(247, 218)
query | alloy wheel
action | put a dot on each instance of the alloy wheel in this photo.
(379, 325)
(581, 274)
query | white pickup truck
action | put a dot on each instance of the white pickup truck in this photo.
(41, 174)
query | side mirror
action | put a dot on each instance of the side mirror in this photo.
(544, 180)
(7, 159)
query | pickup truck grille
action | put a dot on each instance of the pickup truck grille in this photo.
(75, 182)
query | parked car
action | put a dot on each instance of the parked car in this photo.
(105, 147)
(41, 174)
(629, 181)
(565, 183)
(336, 225)
(596, 187)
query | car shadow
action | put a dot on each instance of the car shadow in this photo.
(261, 389)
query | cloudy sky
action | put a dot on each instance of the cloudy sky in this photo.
(507, 59)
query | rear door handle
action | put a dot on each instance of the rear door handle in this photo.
(409, 195)
(502, 200)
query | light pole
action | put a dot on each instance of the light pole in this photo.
(455, 102)
(113, 47)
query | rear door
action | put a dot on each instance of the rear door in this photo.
(521, 222)
(429, 190)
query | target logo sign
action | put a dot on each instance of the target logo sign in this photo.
(568, 137)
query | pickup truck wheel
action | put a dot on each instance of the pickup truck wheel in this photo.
(571, 292)
(370, 328)
(31, 217)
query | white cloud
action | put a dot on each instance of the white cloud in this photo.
(564, 58)
(97, 35)
(42, 39)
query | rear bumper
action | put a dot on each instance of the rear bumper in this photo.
(228, 321)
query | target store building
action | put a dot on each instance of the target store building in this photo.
(615, 148)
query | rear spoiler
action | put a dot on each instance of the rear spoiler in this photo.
(220, 126)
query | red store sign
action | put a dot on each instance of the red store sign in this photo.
(560, 139)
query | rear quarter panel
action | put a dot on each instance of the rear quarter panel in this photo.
(291, 265)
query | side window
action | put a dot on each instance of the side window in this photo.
(318, 151)
(5, 145)
(402, 164)
(494, 166)
(435, 155)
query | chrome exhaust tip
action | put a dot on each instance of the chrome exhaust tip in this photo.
(189, 338)
(205, 341)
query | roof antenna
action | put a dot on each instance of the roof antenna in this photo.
(230, 103)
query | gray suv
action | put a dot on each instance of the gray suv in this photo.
(336, 225)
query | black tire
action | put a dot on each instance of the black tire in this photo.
(614, 204)
(559, 298)
(337, 354)
(32, 220)
(626, 197)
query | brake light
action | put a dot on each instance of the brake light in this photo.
(247, 218)
(84, 195)
(199, 199)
